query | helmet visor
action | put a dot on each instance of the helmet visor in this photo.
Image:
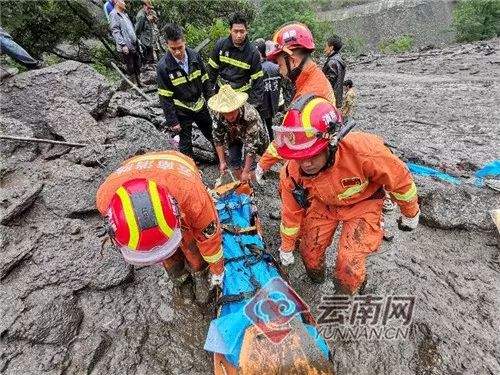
(295, 138)
(155, 255)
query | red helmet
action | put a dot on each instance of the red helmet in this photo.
(144, 222)
(289, 37)
(309, 125)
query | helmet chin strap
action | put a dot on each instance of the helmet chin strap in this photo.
(292, 74)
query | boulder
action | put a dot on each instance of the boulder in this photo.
(51, 316)
(29, 95)
(70, 188)
(69, 121)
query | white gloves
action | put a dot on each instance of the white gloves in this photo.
(408, 224)
(258, 175)
(216, 280)
(286, 257)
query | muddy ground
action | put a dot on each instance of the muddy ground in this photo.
(69, 308)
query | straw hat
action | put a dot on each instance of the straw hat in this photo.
(227, 100)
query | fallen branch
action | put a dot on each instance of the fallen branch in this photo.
(41, 140)
(141, 93)
(202, 45)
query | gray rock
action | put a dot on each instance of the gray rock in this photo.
(70, 189)
(70, 122)
(11, 126)
(20, 205)
(447, 206)
(28, 96)
(51, 317)
(136, 131)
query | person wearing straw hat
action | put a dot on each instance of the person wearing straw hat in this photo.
(238, 130)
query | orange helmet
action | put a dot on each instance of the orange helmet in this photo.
(289, 37)
(309, 126)
(144, 222)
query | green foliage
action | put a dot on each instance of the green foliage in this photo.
(476, 19)
(40, 25)
(275, 13)
(354, 46)
(100, 58)
(195, 35)
(201, 13)
(397, 45)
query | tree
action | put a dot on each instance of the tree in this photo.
(477, 19)
(273, 14)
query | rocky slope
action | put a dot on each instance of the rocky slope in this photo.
(70, 305)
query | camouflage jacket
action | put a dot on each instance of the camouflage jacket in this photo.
(349, 104)
(248, 129)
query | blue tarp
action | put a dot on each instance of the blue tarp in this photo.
(226, 333)
(423, 170)
(489, 170)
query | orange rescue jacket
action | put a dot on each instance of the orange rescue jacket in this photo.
(362, 166)
(311, 80)
(179, 174)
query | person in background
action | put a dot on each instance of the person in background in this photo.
(349, 101)
(126, 41)
(16, 52)
(238, 130)
(184, 88)
(144, 29)
(292, 49)
(272, 88)
(235, 61)
(335, 67)
(108, 8)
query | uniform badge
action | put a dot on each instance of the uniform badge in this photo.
(210, 230)
(350, 181)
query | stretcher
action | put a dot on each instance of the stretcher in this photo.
(261, 326)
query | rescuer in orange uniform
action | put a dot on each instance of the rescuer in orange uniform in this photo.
(329, 180)
(293, 45)
(160, 211)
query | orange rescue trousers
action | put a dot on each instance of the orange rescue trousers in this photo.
(188, 253)
(361, 235)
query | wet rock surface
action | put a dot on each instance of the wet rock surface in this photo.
(70, 305)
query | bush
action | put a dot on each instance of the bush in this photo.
(354, 46)
(398, 45)
(40, 25)
(101, 59)
(195, 35)
(476, 19)
(275, 13)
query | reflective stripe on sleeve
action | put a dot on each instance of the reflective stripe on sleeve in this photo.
(408, 196)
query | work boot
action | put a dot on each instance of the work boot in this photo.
(316, 276)
(201, 287)
(340, 289)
